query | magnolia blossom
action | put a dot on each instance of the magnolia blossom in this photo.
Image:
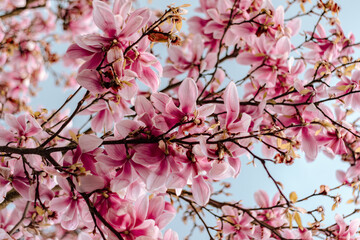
(163, 117)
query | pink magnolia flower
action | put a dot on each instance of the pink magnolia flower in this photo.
(187, 110)
(161, 211)
(274, 216)
(232, 107)
(306, 134)
(344, 231)
(85, 153)
(161, 159)
(131, 221)
(188, 58)
(127, 169)
(15, 176)
(22, 128)
(8, 219)
(333, 141)
(144, 63)
(146, 113)
(297, 234)
(222, 165)
(353, 172)
(107, 112)
(70, 206)
(77, 17)
(120, 27)
(347, 85)
(328, 49)
(268, 59)
(238, 225)
(217, 17)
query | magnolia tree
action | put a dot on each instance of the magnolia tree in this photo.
(160, 129)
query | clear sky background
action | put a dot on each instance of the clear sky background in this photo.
(301, 177)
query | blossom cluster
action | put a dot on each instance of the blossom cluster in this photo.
(144, 150)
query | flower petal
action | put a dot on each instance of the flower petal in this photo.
(88, 143)
(201, 191)
(188, 92)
